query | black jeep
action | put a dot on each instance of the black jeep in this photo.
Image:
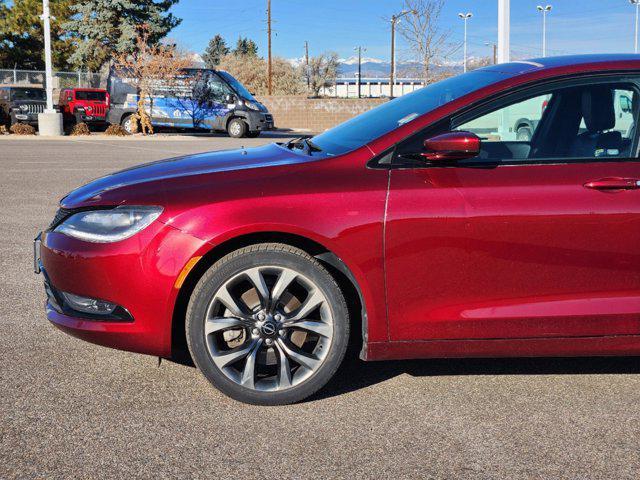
(21, 105)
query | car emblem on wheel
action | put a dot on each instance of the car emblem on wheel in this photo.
(268, 328)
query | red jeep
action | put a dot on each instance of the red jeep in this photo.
(88, 105)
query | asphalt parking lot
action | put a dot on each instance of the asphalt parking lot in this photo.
(69, 409)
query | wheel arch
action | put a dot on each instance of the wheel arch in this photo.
(334, 264)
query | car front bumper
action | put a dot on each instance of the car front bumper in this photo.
(137, 274)
(259, 121)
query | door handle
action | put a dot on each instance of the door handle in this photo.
(613, 183)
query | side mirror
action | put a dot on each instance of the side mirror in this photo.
(451, 146)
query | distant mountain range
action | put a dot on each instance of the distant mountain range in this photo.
(373, 67)
(376, 68)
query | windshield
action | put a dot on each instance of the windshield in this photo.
(373, 124)
(27, 94)
(90, 95)
(237, 86)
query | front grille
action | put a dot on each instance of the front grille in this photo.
(98, 110)
(61, 214)
(35, 108)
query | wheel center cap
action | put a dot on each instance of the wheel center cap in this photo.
(268, 328)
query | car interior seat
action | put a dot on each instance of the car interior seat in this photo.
(598, 112)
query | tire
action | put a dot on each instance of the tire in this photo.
(524, 134)
(13, 120)
(125, 123)
(237, 128)
(255, 134)
(308, 325)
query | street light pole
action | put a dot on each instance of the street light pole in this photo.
(635, 41)
(544, 11)
(395, 19)
(504, 27)
(50, 121)
(359, 50)
(465, 17)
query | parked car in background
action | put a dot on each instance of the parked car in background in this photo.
(86, 105)
(400, 230)
(200, 99)
(21, 105)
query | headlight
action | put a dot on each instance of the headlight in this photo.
(106, 226)
(24, 108)
(251, 106)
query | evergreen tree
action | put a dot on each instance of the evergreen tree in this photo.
(246, 46)
(104, 28)
(216, 49)
(22, 36)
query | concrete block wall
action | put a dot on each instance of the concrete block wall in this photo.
(316, 114)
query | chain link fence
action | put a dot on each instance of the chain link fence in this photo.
(60, 79)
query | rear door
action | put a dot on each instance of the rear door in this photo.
(530, 239)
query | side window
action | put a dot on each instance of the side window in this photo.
(517, 122)
(578, 122)
(218, 89)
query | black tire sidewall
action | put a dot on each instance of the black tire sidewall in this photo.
(217, 275)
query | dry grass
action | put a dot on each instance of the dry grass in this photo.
(22, 129)
(80, 129)
(116, 131)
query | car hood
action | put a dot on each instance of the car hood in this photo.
(127, 185)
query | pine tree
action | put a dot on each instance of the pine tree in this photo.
(246, 46)
(22, 36)
(216, 49)
(104, 28)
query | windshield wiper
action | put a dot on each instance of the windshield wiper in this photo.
(312, 146)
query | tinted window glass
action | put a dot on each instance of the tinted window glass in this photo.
(387, 117)
(27, 94)
(88, 95)
(590, 121)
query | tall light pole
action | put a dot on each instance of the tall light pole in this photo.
(635, 40)
(465, 17)
(50, 121)
(269, 68)
(544, 11)
(504, 27)
(394, 21)
(359, 50)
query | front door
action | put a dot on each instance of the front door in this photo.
(534, 238)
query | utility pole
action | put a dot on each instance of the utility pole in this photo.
(635, 41)
(50, 121)
(495, 51)
(306, 61)
(465, 17)
(504, 28)
(269, 72)
(544, 11)
(360, 50)
(395, 19)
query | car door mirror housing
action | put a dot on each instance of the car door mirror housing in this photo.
(451, 146)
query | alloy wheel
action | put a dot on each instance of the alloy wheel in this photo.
(268, 328)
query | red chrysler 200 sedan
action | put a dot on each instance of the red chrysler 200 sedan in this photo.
(427, 227)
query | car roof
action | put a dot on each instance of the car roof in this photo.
(595, 62)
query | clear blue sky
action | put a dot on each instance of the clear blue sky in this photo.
(574, 26)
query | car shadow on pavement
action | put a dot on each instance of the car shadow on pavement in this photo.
(356, 374)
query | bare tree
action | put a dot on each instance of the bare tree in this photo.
(251, 71)
(151, 68)
(322, 72)
(421, 29)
